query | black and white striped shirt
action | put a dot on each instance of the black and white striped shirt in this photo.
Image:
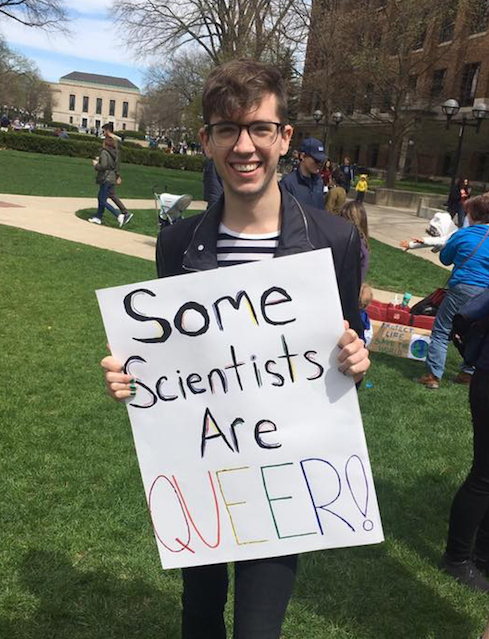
(239, 248)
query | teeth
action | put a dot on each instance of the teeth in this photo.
(245, 168)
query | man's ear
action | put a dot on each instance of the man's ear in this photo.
(287, 132)
(204, 137)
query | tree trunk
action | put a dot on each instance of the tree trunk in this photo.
(392, 162)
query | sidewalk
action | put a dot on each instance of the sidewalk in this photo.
(55, 216)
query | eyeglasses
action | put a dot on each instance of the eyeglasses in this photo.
(226, 134)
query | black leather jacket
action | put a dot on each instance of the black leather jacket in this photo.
(190, 245)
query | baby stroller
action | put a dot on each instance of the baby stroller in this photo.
(170, 208)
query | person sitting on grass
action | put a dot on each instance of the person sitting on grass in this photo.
(105, 166)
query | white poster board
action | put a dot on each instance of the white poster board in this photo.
(249, 439)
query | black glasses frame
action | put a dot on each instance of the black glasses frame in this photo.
(209, 128)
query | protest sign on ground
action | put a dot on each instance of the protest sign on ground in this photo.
(249, 439)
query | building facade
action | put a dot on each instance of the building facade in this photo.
(88, 101)
(459, 51)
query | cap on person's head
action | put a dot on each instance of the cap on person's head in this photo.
(314, 148)
(108, 126)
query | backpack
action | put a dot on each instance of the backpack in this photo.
(471, 327)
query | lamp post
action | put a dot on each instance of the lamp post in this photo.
(337, 117)
(480, 113)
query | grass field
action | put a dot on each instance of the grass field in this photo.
(77, 555)
(39, 174)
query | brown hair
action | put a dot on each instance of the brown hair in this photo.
(355, 213)
(365, 297)
(237, 86)
(478, 208)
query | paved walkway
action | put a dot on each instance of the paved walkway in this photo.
(56, 216)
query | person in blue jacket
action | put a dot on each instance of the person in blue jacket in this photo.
(468, 251)
(306, 182)
(467, 552)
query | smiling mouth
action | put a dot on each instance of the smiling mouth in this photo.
(246, 167)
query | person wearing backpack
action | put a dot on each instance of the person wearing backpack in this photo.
(468, 251)
(467, 551)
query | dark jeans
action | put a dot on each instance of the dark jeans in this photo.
(103, 194)
(261, 594)
(460, 215)
(469, 515)
(360, 196)
(117, 201)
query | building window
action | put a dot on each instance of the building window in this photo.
(112, 107)
(479, 16)
(97, 124)
(85, 104)
(447, 29)
(123, 126)
(468, 88)
(98, 108)
(72, 102)
(125, 109)
(84, 123)
(71, 119)
(438, 82)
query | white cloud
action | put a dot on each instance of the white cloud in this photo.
(88, 6)
(91, 39)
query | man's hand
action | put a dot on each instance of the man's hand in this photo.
(404, 244)
(119, 385)
(353, 355)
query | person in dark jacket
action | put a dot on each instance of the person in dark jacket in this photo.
(105, 167)
(211, 183)
(467, 552)
(306, 182)
(245, 133)
(460, 193)
(124, 216)
(348, 174)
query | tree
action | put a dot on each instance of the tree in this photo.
(222, 29)
(50, 15)
(21, 85)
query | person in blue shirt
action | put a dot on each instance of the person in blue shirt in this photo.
(306, 183)
(468, 251)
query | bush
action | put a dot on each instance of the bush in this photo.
(89, 148)
(135, 135)
(62, 125)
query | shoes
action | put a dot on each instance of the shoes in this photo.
(465, 572)
(463, 378)
(123, 219)
(95, 220)
(429, 380)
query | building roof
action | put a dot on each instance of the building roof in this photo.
(95, 78)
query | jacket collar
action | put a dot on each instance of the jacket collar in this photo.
(200, 254)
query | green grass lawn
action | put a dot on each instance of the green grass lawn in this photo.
(39, 174)
(77, 555)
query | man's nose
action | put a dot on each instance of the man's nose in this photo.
(244, 143)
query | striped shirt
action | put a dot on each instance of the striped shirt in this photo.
(239, 248)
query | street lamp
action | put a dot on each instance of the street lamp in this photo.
(318, 116)
(480, 113)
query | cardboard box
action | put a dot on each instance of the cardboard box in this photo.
(399, 340)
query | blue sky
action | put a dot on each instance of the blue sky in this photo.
(95, 45)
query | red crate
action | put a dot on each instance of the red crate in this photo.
(398, 315)
(377, 311)
(423, 321)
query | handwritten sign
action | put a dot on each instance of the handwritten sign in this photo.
(399, 340)
(249, 439)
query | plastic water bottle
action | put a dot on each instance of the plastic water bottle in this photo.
(406, 299)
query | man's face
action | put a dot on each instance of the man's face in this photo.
(246, 168)
(310, 166)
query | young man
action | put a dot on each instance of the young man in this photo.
(306, 183)
(349, 174)
(245, 133)
(125, 216)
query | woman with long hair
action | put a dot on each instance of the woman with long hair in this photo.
(355, 213)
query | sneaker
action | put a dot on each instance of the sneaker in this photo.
(120, 219)
(429, 381)
(95, 220)
(465, 572)
(125, 219)
(463, 378)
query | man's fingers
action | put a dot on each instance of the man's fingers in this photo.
(110, 363)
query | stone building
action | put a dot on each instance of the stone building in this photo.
(89, 100)
(460, 70)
